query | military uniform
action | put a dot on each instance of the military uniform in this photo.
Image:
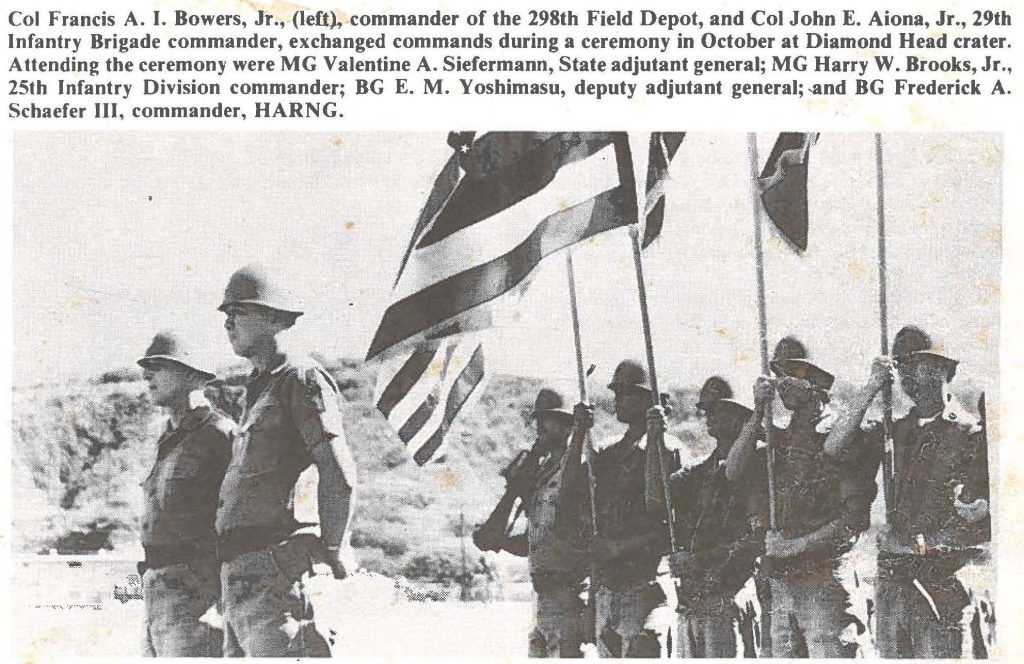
(633, 617)
(930, 456)
(558, 566)
(290, 409)
(179, 573)
(919, 601)
(721, 524)
(179, 578)
(809, 603)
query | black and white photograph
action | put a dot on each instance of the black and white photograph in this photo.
(506, 394)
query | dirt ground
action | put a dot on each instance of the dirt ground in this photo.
(92, 607)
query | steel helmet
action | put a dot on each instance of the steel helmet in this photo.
(716, 391)
(168, 346)
(790, 359)
(550, 401)
(912, 342)
(630, 373)
(253, 284)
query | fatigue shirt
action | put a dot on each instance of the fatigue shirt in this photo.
(289, 411)
(622, 511)
(181, 490)
(812, 490)
(721, 522)
(552, 552)
(929, 459)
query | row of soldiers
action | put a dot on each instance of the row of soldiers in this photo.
(607, 519)
(220, 532)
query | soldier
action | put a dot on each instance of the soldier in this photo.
(941, 502)
(180, 574)
(720, 528)
(821, 508)
(558, 562)
(633, 618)
(292, 420)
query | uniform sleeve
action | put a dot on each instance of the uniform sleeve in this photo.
(858, 472)
(315, 407)
(218, 444)
(976, 480)
(957, 530)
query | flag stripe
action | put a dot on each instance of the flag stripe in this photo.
(420, 417)
(426, 408)
(408, 375)
(481, 283)
(463, 387)
(500, 233)
(458, 356)
(504, 168)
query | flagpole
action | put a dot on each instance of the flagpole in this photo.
(762, 319)
(634, 234)
(588, 445)
(883, 319)
(582, 377)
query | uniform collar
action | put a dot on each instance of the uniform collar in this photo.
(620, 450)
(281, 366)
(192, 419)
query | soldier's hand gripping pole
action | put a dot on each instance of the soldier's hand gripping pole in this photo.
(762, 315)
(654, 443)
(888, 485)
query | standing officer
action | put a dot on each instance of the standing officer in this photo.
(633, 618)
(720, 529)
(558, 561)
(821, 508)
(180, 574)
(292, 420)
(941, 502)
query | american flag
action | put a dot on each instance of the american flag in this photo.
(503, 202)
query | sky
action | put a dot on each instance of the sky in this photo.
(120, 235)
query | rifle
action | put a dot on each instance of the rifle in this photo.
(498, 522)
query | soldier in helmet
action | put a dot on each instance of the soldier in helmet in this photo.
(720, 529)
(940, 468)
(292, 420)
(821, 508)
(180, 576)
(633, 618)
(555, 550)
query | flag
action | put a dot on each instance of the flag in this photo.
(663, 147)
(784, 186)
(521, 197)
(501, 204)
(421, 392)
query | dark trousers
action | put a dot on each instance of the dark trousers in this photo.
(919, 622)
